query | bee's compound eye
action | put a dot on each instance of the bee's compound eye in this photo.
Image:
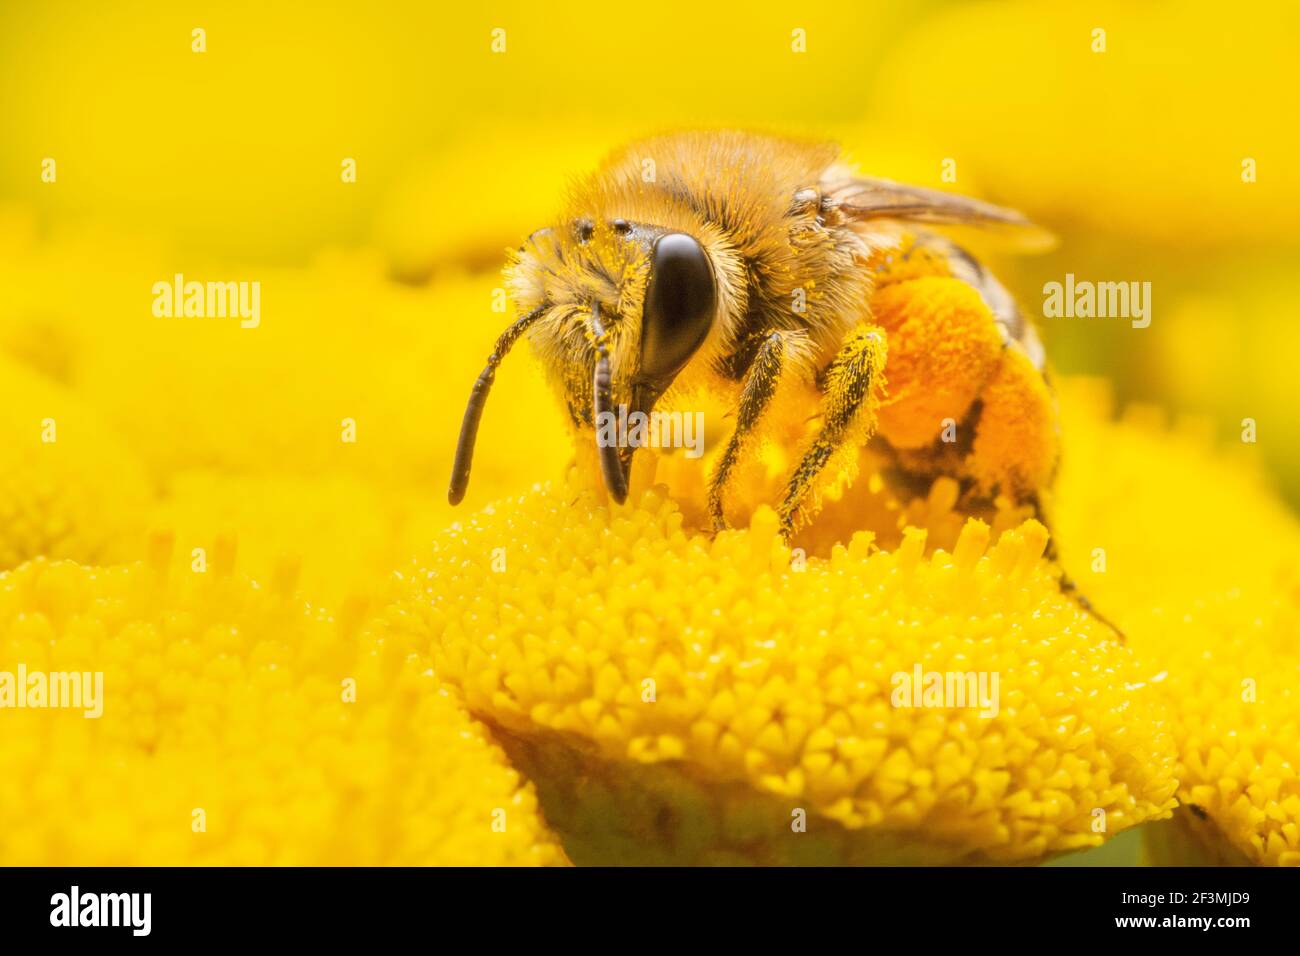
(584, 229)
(679, 306)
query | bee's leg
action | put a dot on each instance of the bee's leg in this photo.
(1067, 584)
(850, 381)
(759, 387)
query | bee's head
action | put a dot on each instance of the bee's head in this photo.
(616, 309)
(654, 289)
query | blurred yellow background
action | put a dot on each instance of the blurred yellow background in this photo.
(377, 298)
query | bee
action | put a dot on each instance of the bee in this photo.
(731, 263)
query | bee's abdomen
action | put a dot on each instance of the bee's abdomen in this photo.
(1011, 322)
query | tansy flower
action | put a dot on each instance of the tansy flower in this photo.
(239, 726)
(684, 700)
(68, 487)
(1191, 552)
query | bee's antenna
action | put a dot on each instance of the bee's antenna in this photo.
(611, 467)
(477, 399)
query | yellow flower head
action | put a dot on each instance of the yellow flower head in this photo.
(685, 700)
(68, 489)
(1191, 551)
(238, 726)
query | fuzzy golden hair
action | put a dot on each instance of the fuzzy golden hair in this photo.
(753, 204)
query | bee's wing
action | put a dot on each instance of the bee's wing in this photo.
(863, 198)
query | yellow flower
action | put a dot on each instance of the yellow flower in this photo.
(1191, 552)
(684, 700)
(68, 488)
(230, 734)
